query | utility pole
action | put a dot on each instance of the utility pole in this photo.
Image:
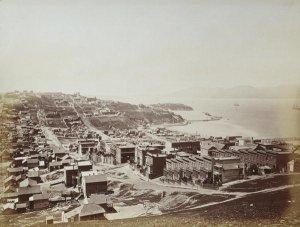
(244, 171)
(212, 169)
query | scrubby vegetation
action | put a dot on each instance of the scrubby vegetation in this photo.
(172, 106)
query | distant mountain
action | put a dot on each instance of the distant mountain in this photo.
(288, 91)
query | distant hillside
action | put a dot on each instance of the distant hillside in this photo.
(292, 91)
(102, 114)
(172, 106)
(135, 114)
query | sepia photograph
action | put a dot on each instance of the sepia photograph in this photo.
(149, 113)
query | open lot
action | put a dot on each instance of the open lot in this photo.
(56, 123)
(134, 195)
(262, 183)
(67, 140)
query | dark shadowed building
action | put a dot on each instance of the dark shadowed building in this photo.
(94, 184)
(70, 174)
(39, 201)
(84, 212)
(123, 152)
(187, 146)
(84, 166)
(25, 193)
(155, 164)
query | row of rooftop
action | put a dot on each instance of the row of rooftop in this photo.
(41, 175)
(173, 157)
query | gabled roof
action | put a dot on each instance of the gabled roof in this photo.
(182, 154)
(33, 173)
(71, 167)
(95, 178)
(8, 206)
(91, 209)
(10, 178)
(32, 161)
(55, 164)
(73, 212)
(153, 155)
(65, 157)
(21, 205)
(97, 199)
(15, 170)
(232, 166)
(66, 161)
(60, 152)
(40, 197)
(209, 145)
(233, 158)
(9, 195)
(19, 158)
(246, 147)
(9, 189)
(27, 182)
(192, 158)
(186, 159)
(84, 163)
(36, 189)
(38, 156)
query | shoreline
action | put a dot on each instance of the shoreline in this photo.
(214, 124)
(190, 121)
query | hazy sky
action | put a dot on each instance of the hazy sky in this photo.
(147, 47)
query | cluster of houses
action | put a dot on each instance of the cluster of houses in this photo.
(29, 153)
(40, 176)
(101, 109)
(227, 159)
(210, 161)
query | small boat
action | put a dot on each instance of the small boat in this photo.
(207, 114)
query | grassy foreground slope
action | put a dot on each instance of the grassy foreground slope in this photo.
(272, 209)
